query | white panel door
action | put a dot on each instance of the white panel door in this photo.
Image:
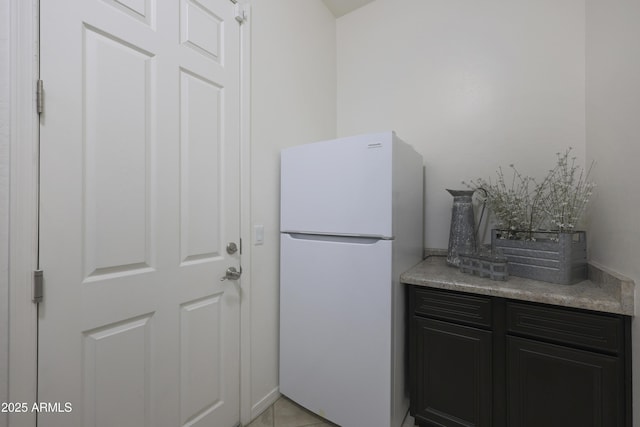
(139, 198)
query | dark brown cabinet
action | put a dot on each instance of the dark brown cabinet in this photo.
(492, 362)
(454, 373)
(556, 386)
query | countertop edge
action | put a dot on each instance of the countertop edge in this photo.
(605, 291)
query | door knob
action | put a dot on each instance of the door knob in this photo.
(232, 274)
(232, 248)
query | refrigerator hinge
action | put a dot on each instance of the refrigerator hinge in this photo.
(38, 279)
(40, 97)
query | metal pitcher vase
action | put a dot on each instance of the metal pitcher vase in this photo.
(462, 235)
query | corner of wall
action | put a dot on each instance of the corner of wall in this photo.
(293, 101)
(612, 131)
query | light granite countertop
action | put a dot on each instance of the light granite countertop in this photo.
(605, 291)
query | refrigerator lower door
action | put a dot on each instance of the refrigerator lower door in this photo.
(335, 327)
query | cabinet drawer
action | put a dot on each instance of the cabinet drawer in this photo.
(463, 308)
(588, 330)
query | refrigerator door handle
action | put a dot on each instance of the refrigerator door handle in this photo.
(363, 240)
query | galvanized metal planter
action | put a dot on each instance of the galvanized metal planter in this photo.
(552, 257)
(495, 268)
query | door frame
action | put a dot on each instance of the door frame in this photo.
(245, 214)
(23, 206)
(23, 209)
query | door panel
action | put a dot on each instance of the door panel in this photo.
(139, 196)
(116, 150)
(201, 345)
(200, 115)
(117, 358)
(201, 29)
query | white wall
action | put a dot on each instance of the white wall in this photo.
(293, 102)
(472, 85)
(613, 141)
(4, 201)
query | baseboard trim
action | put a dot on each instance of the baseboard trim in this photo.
(264, 403)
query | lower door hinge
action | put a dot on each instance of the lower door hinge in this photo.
(40, 97)
(38, 279)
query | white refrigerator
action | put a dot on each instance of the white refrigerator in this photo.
(351, 222)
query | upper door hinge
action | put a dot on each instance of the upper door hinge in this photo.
(38, 279)
(241, 13)
(39, 97)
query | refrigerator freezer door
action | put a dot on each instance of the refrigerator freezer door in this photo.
(338, 187)
(335, 328)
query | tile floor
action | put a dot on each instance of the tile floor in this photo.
(285, 413)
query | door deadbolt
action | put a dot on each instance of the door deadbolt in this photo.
(232, 248)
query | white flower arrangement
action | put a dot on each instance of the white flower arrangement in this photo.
(524, 206)
(567, 193)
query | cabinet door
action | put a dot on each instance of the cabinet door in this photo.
(452, 383)
(555, 386)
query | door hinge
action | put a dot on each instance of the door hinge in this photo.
(39, 97)
(38, 278)
(241, 13)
